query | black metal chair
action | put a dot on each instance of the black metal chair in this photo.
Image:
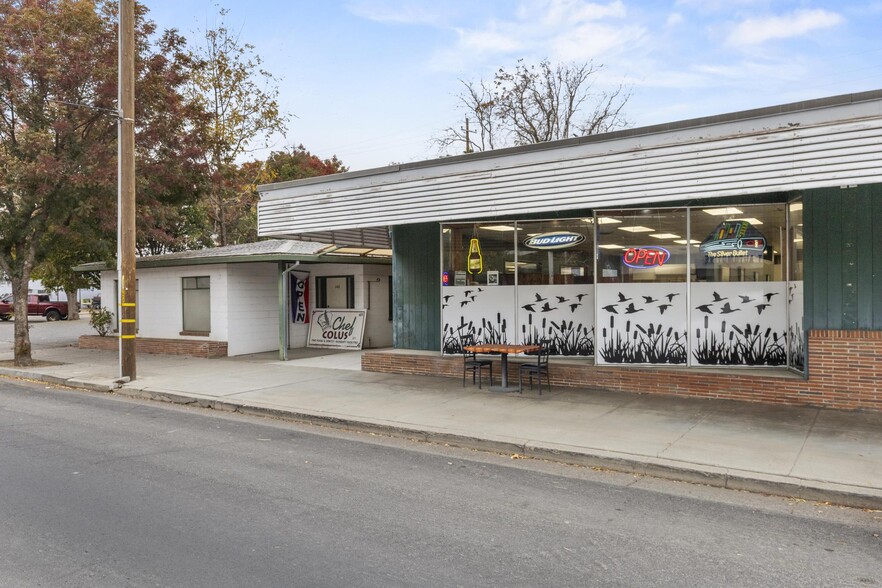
(537, 368)
(470, 362)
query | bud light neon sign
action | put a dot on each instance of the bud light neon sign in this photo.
(646, 257)
(556, 240)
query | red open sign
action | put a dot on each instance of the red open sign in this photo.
(646, 257)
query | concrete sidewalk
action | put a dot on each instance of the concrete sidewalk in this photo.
(803, 452)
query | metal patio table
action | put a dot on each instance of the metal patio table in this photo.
(503, 350)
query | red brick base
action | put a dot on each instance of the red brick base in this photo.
(845, 371)
(190, 347)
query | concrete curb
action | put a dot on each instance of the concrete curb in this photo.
(815, 490)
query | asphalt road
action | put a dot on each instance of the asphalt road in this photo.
(104, 491)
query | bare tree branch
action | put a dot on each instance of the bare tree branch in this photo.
(534, 104)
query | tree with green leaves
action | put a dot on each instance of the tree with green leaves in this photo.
(280, 166)
(534, 104)
(58, 87)
(241, 101)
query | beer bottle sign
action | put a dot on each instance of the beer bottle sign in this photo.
(475, 262)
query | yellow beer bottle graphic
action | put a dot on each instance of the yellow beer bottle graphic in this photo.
(475, 263)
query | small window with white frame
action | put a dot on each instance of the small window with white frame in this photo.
(196, 296)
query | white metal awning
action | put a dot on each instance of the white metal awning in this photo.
(829, 142)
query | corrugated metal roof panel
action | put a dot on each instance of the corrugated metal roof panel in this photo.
(761, 161)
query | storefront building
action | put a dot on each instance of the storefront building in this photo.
(737, 256)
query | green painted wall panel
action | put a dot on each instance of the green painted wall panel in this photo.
(843, 260)
(416, 284)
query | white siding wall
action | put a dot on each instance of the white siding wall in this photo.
(245, 303)
(378, 329)
(160, 302)
(253, 290)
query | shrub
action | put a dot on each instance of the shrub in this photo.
(102, 321)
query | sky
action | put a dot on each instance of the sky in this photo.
(373, 81)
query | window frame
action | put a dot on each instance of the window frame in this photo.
(184, 289)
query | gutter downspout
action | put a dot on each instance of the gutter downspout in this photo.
(284, 309)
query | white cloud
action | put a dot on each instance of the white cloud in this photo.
(674, 19)
(487, 41)
(755, 31)
(567, 30)
(394, 12)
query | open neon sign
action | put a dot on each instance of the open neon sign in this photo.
(646, 257)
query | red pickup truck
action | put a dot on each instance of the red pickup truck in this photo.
(38, 305)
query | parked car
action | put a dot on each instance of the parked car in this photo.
(38, 305)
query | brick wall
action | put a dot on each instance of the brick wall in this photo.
(190, 347)
(845, 371)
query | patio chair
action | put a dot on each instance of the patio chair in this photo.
(537, 368)
(470, 362)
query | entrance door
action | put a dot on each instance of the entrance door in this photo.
(336, 292)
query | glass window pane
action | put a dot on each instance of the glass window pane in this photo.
(203, 282)
(795, 332)
(739, 292)
(555, 295)
(641, 286)
(479, 253)
(738, 243)
(556, 252)
(196, 305)
(641, 246)
(478, 297)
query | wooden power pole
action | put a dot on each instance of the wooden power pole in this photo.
(126, 205)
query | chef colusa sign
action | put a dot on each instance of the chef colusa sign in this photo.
(336, 329)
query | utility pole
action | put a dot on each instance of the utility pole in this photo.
(468, 148)
(126, 191)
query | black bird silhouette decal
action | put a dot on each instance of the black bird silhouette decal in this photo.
(529, 308)
(650, 299)
(443, 306)
(622, 298)
(761, 307)
(718, 298)
(562, 299)
(631, 309)
(464, 302)
(467, 293)
(547, 308)
(670, 297)
(539, 298)
(728, 309)
(573, 306)
(704, 308)
(581, 296)
(448, 297)
(746, 299)
(611, 308)
(480, 289)
(473, 298)
(769, 296)
(663, 307)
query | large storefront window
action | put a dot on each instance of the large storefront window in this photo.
(641, 286)
(739, 289)
(555, 295)
(478, 273)
(715, 285)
